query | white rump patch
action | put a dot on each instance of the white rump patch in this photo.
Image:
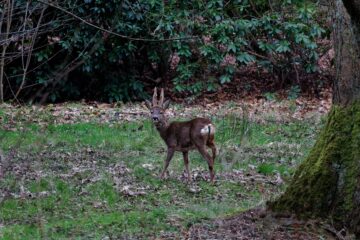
(208, 129)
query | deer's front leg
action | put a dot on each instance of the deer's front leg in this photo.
(170, 154)
(186, 162)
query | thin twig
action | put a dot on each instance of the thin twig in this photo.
(335, 232)
(257, 55)
(67, 69)
(11, 90)
(254, 8)
(10, 5)
(114, 33)
(28, 59)
(270, 6)
(38, 66)
(23, 37)
(297, 73)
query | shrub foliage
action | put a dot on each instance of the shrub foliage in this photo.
(190, 45)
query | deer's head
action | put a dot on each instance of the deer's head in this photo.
(157, 108)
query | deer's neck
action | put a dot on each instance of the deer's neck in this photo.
(162, 128)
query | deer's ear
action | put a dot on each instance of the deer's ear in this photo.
(148, 104)
(166, 104)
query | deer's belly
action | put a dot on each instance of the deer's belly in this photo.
(185, 147)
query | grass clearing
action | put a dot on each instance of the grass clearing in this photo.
(96, 180)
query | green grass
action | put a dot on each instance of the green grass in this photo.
(74, 195)
(270, 168)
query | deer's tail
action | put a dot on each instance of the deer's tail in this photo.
(208, 129)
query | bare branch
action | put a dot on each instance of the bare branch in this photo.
(11, 90)
(28, 59)
(60, 74)
(254, 8)
(114, 33)
(270, 6)
(10, 6)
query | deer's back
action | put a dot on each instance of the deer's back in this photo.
(184, 135)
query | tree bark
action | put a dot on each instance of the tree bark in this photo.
(347, 52)
(327, 183)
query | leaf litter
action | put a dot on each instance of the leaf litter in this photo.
(257, 109)
(259, 224)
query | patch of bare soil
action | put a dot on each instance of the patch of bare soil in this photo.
(257, 224)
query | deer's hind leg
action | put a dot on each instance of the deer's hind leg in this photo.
(200, 145)
(211, 144)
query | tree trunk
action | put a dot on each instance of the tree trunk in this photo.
(327, 183)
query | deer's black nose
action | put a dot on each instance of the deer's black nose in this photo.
(155, 118)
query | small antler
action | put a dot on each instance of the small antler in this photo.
(154, 99)
(161, 102)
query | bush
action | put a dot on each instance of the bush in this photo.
(72, 60)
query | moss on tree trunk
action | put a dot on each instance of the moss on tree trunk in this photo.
(327, 183)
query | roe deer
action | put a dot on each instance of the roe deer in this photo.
(197, 134)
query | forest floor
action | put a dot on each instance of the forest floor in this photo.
(90, 171)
